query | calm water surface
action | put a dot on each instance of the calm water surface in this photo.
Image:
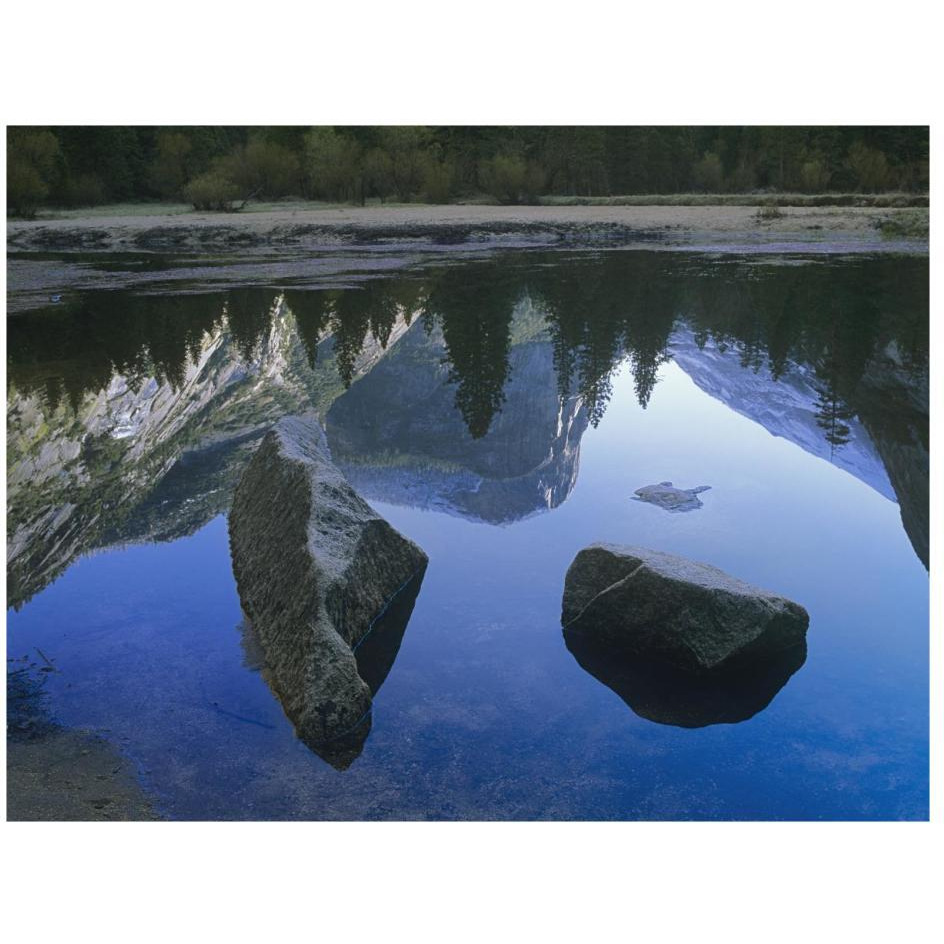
(500, 412)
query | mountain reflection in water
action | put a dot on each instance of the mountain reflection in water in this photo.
(464, 388)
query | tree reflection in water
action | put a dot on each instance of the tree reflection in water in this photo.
(114, 394)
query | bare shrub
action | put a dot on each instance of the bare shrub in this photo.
(768, 213)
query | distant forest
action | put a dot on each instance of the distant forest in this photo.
(223, 167)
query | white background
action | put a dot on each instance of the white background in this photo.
(496, 63)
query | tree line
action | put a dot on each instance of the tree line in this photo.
(222, 167)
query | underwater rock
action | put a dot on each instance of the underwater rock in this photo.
(667, 496)
(680, 612)
(661, 693)
(317, 568)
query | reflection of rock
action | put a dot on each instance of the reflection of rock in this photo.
(660, 693)
(690, 615)
(398, 436)
(667, 496)
(374, 655)
(320, 576)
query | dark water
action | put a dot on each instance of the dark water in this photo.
(501, 413)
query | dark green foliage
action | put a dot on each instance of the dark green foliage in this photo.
(870, 167)
(708, 173)
(119, 157)
(312, 311)
(26, 189)
(407, 149)
(333, 165)
(511, 179)
(378, 173)
(32, 169)
(262, 168)
(438, 178)
(355, 312)
(84, 190)
(576, 160)
(832, 416)
(68, 350)
(249, 316)
(349, 316)
(614, 307)
(512, 164)
(170, 169)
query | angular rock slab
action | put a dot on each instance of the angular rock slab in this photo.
(320, 576)
(682, 613)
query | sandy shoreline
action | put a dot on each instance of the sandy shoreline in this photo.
(797, 228)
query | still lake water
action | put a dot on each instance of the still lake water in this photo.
(501, 412)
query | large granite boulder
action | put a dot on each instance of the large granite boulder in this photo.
(320, 575)
(680, 612)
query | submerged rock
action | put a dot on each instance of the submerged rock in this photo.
(317, 569)
(679, 612)
(667, 496)
(374, 655)
(661, 693)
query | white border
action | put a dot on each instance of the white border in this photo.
(499, 63)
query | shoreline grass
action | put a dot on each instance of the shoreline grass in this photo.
(879, 200)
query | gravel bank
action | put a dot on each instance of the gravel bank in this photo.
(828, 229)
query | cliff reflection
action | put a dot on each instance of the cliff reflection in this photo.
(473, 426)
(465, 388)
